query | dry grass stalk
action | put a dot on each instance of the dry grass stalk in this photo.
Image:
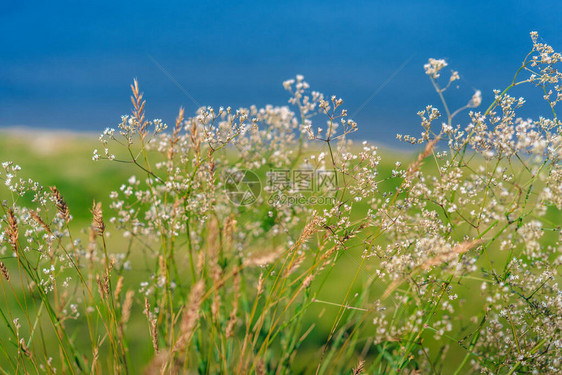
(4, 271)
(118, 287)
(450, 255)
(138, 104)
(306, 282)
(262, 259)
(159, 364)
(162, 265)
(310, 229)
(97, 223)
(216, 271)
(360, 368)
(12, 231)
(35, 216)
(194, 137)
(190, 316)
(175, 134)
(415, 166)
(200, 261)
(95, 360)
(260, 367)
(63, 298)
(91, 246)
(127, 305)
(260, 285)
(228, 231)
(146, 310)
(391, 288)
(212, 177)
(296, 264)
(103, 286)
(60, 203)
(232, 319)
(24, 349)
(154, 334)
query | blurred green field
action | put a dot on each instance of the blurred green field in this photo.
(64, 160)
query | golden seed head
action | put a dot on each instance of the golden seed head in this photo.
(4, 271)
(12, 231)
(97, 223)
(60, 203)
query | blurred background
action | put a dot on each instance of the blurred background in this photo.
(68, 65)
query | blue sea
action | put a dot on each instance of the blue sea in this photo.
(68, 65)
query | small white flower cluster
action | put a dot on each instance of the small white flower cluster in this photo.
(434, 66)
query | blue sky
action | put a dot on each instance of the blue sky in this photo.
(69, 64)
